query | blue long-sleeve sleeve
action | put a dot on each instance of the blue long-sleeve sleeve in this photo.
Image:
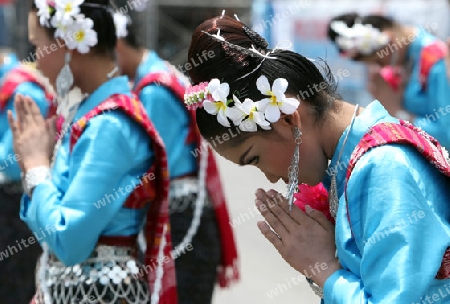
(8, 158)
(85, 197)
(437, 123)
(172, 122)
(399, 230)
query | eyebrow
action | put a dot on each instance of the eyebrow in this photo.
(243, 156)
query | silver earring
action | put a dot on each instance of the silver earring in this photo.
(333, 199)
(64, 81)
(293, 168)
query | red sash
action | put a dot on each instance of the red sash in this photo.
(404, 133)
(154, 190)
(430, 54)
(228, 272)
(22, 74)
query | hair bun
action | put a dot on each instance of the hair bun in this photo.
(255, 38)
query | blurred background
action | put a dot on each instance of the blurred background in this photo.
(167, 26)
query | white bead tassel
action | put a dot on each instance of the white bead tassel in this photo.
(142, 242)
(42, 281)
(199, 204)
(159, 271)
(191, 231)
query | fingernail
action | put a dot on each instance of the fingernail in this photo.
(259, 193)
(261, 225)
(308, 209)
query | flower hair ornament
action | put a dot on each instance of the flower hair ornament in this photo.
(120, 22)
(360, 38)
(74, 28)
(214, 97)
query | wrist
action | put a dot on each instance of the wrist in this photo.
(34, 163)
(34, 177)
(321, 277)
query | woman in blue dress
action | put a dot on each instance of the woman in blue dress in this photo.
(387, 181)
(16, 266)
(412, 83)
(104, 180)
(204, 224)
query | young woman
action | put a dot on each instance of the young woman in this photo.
(107, 177)
(203, 224)
(390, 202)
(17, 266)
(412, 83)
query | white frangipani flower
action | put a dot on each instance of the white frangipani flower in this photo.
(219, 91)
(61, 29)
(219, 106)
(44, 11)
(80, 35)
(277, 100)
(66, 10)
(362, 38)
(247, 117)
(120, 22)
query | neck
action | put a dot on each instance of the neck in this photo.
(403, 41)
(96, 75)
(135, 58)
(335, 125)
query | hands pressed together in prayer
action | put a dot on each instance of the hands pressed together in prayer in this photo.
(304, 240)
(33, 135)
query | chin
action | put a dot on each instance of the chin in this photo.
(310, 182)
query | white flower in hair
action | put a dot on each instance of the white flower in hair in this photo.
(44, 11)
(219, 105)
(362, 38)
(246, 115)
(80, 35)
(277, 100)
(120, 22)
(66, 10)
(61, 29)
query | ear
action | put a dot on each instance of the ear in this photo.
(285, 125)
(291, 120)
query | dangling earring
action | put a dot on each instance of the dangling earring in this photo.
(333, 199)
(293, 168)
(64, 81)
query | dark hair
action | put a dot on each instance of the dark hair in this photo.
(233, 60)
(132, 39)
(103, 20)
(377, 21)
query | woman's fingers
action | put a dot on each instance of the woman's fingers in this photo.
(274, 222)
(35, 112)
(280, 207)
(13, 125)
(51, 125)
(18, 107)
(270, 235)
(29, 117)
(320, 218)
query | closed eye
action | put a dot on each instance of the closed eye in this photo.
(253, 161)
